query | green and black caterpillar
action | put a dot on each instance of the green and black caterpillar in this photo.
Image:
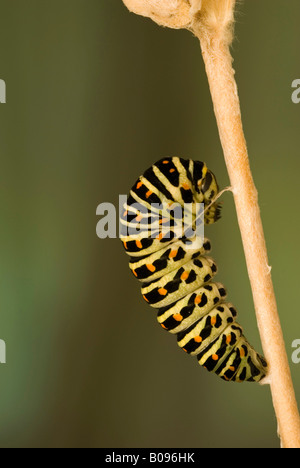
(176, 271)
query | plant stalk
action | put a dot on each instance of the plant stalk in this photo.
(221, 78)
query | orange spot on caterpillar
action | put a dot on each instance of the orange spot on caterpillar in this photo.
(160, 236)
(125, 214)
(198, 339)
(135, 273)
(125, 245)
(177, 317)
(186, 186)
(139, 244)
(139, 218)
(151, 268)
(215, 357)
(242, 352)
(228, 339)
(173, 253)
(163, 220)
(213, 321)
(162, 292)
(139, 185)
(166, 162)
(183, 349)
(232, 368)
(164, 327)
(198, 299)
(145, 298)
(184, 276)
(172, 170)
(148, 194)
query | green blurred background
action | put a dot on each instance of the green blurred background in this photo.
(94, 96)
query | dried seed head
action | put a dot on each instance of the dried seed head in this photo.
(205, 17)
(171, 13)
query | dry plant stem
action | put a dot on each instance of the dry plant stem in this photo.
(218, 62)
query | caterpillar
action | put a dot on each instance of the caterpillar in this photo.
(176, 271)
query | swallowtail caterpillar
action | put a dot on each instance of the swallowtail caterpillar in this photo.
(177, 273)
